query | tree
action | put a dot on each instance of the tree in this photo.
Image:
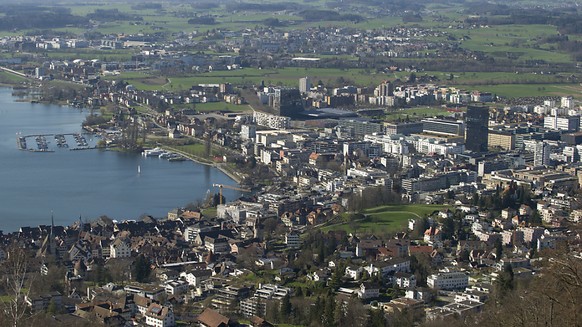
(498, 249)
(377, 319)
(17, 285)
(286, 308)
(329, 312)
(412, 78)
(505, 283)
(141, 269)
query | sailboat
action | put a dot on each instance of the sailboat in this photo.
(138, 169)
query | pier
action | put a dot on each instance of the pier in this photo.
(45, 143)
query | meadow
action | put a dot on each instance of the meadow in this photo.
(385, 219)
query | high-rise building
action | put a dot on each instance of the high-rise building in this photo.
(567, 102)
(287, 102)
(477, 129)
(542, 153)
(304, 84)
(385, 89)
(567, 123)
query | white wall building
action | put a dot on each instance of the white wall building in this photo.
(448, 280)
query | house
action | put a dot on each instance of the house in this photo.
(42, 302)
(368, 291)
(174, 133)
(417, 293)
(176, 287)
(401, 304)
(321, 275)
(432, 235)
(142, 303)
(353, 272)
(120, 248)
(212, 318)
(259, 322)
(404, 280)
(160, 316)
(196, 277)
(216, 245)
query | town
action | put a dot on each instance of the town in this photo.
(403, 200)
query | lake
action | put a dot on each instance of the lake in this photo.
(87, 183)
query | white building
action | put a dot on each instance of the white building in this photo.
(404, 280)
(176, 287)
(159, 316)
(196, 277)
(448, 280)
(119, 249)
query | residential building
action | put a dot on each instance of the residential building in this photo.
(120, 248)
(404, 280)
(212, 318)
(160, 316)
(368, 291)
(293, 240)
(565, 123)
(448, 280)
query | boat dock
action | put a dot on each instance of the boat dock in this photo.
(53, 142)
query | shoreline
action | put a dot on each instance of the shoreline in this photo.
(202, 161)
(237, 178)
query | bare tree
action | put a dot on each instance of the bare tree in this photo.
(17, 285)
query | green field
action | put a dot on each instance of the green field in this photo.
(404, 113)
(386, 219)
(221, 106)
(252, 76)
(526, 90)
(10, 78)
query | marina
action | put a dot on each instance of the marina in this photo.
(44, 142)
(121, 185)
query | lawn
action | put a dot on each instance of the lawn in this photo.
(386, 219)
(415, 112)
(196, 149)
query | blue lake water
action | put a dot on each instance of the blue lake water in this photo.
(87, 183)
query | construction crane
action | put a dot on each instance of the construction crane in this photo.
(221, 186)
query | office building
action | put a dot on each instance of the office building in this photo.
(443, 126)
(542, 153)
(477, 131)
(287, 102)
(403, 128)
(572, 138)
(359, 127)
(502, 139)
